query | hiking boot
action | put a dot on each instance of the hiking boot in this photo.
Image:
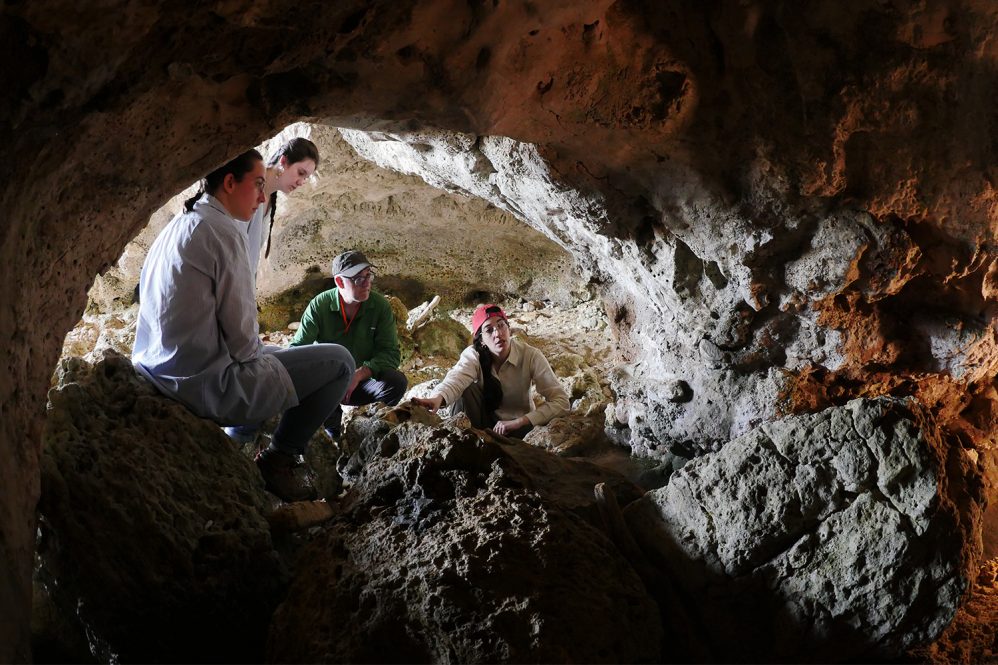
(278, 470)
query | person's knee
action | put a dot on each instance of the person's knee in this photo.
(396, 384)
(341, 356)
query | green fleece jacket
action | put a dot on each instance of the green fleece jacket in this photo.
(372, 339)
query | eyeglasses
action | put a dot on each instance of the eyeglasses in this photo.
(499, 326)
(361, 280)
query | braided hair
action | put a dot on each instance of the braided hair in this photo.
(238, 167)
(296, 150)
(491, 389)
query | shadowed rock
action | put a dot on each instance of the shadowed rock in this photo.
(458, 546)
(822, 537)
(845, 534)
(154, 529)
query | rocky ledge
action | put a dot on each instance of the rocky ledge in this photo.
(842, 535)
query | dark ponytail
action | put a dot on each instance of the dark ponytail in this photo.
(296, 150)
(238, 167)
(491, 389)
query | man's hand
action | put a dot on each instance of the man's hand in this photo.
(431, 403)
(362, 374)
(504, 426)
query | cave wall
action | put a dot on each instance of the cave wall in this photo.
(733, 138)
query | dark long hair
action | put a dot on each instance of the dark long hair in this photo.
(238, 167)
(296, 150)
(491, 388)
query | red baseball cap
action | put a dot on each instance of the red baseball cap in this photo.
(483, 313)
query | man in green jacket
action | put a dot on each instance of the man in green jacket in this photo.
(361, 320)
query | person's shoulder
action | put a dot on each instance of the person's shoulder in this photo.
(222, 228)
(193, 236)
(185, 222)
(326, 298)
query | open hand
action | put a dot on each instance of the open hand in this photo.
(505, 426)
(362, 374)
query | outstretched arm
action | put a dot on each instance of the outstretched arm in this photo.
(432, 403)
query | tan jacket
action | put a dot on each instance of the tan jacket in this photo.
(525, 365)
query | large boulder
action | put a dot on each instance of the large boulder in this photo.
(460, 546)
(153, 524)
(443, 337)
(830, 536)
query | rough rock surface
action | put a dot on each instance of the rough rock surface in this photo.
(824, 537)
(571, 437)
(154, 532)
(112, 329)
(442, 337)
(458, 548)
(718, 319)
(972, 638)
(696, 159)
(831, 536)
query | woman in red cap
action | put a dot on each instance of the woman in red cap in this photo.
(491, 381)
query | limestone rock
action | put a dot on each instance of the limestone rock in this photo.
(423, 389)
(417, 316)
(96, 333)
(822, 537)
(443, 337)
(401, 313)
(834, 251)
(571, 436)
(321, 457)
(154, 528)
(461, 548)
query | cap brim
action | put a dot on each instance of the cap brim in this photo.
(354, 270)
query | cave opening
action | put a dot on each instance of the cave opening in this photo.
(793, 233)
(426, 240)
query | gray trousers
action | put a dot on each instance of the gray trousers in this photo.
(321, 374)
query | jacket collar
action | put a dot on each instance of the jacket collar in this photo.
(334, 302)
(515, 352)
(210, 207)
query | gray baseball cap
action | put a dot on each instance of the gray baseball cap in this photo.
(349, 264)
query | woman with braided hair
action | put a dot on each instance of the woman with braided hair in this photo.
(491, 380)
(287, 170)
